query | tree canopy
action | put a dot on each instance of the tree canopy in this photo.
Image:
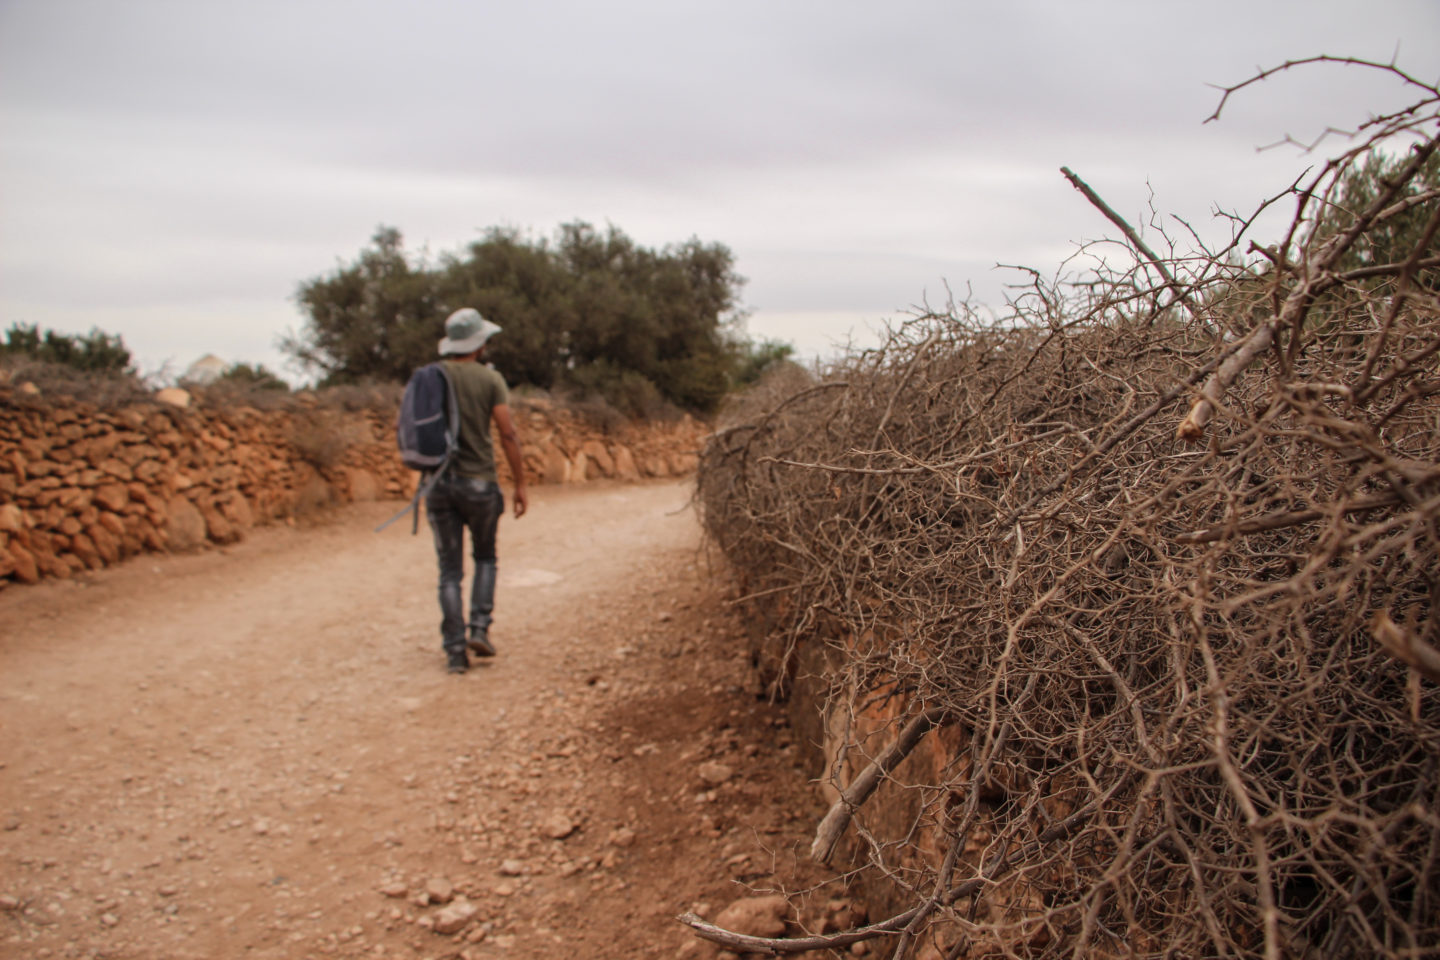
(590, 309)
(1400, 229)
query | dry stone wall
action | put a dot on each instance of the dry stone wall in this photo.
(82, 487)
(839, 738)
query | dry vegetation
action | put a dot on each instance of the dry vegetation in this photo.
(1163, 549)
(105, 390)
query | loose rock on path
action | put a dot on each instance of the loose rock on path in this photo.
(257, 751)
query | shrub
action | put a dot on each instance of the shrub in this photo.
(321, 437)
(629, 393)
(106, 390)
(253, 375)
(95, 352)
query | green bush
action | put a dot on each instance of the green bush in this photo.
(754, 360)
(1391, 238)
(627, 392)
(256, 376)
(95, 352)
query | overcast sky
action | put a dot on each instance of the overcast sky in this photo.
(171, 171)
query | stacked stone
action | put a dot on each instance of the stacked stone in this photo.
(561, 447)
(370, 468)
(81, 488)
(74, 491)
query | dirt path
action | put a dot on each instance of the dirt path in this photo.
(256, 751)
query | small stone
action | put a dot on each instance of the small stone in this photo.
(504, 889)
(842, 914)
(453, 918)
(174, 396)
(8, 902)
(12, 519)
(109, 919)
(714, 772)
(440, 890)
(476, 935)
(558, 827)
(395, 889)
(511, 868)
(755, 916)
(261, 826)
(623, 837)
(168, 890)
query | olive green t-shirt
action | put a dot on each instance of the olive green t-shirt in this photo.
(478, 391)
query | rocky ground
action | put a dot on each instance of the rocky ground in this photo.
(256, 752)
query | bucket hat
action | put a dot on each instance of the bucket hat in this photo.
(465, 331)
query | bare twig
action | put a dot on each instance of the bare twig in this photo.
(828, 834)
(1181, 294)
(1405, 646)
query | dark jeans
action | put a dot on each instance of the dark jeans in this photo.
(454, 504)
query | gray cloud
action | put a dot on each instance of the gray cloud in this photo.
(163, 154)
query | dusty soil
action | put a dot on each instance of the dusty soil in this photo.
(257, 752)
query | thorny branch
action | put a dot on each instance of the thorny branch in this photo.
(1201, 680)
(859, 790)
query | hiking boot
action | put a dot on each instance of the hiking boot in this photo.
(480, 644)
(482, 603)
(458, 661)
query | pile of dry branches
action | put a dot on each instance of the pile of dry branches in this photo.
(1164, 549)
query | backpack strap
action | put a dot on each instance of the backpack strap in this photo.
(452, 420)
(427, 483)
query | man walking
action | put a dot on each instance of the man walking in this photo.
(468, 493)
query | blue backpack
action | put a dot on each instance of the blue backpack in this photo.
(427, 433)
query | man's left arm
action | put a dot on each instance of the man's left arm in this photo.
(510, 443)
